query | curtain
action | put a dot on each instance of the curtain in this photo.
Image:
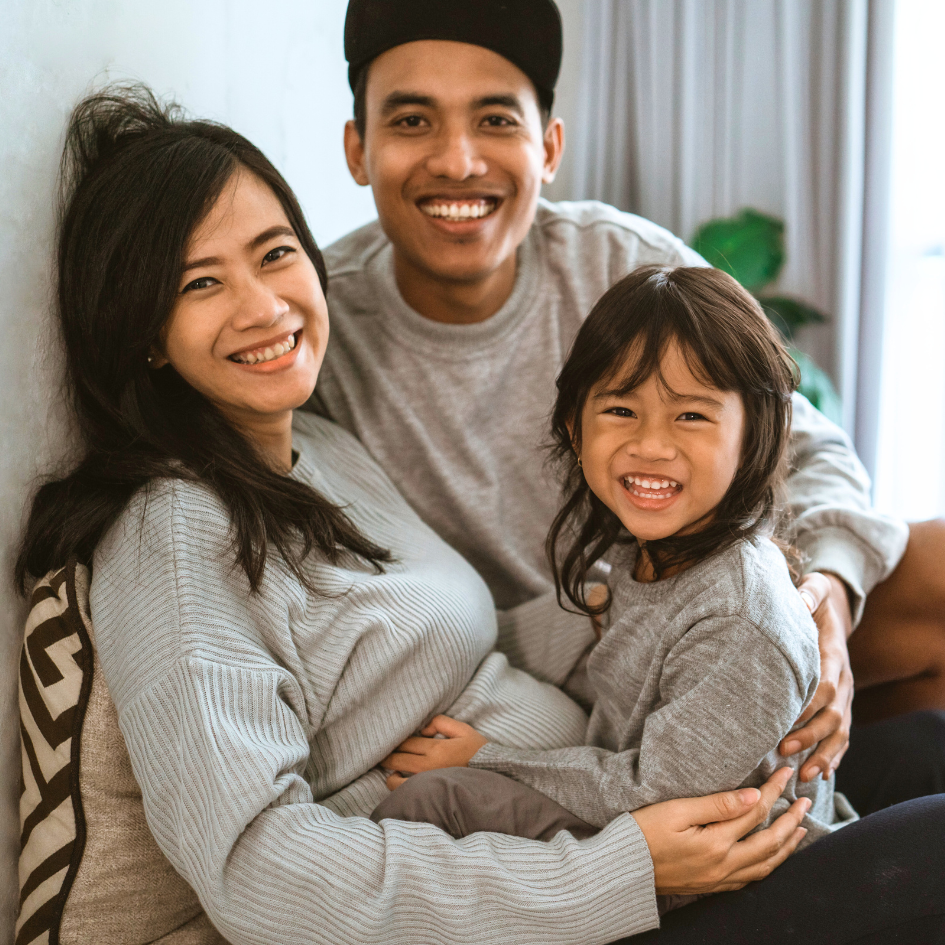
(693, 109)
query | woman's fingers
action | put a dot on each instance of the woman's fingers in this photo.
(696, 845)
(759, 869)
(394, 781)
(737, 827)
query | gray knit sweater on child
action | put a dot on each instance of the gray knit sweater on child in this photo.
(697, 680)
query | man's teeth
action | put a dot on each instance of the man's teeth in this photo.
(655, 488)
(261, 355)
(459, 211)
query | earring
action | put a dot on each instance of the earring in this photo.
(150, 359)
(579, 460)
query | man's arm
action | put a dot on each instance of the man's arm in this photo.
(849, 548)
(828, 495)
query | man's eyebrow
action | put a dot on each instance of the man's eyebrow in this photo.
(502, 101)
(398, 99)
(254, 243)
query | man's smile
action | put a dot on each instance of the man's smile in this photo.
(458, 210)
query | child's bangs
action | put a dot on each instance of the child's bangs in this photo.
(643, 355)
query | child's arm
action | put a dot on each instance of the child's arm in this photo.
(727, 695)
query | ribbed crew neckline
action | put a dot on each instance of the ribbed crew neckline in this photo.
(407, 327)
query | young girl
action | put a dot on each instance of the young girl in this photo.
(672, 420)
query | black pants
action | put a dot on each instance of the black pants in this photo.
(880, 881)
(877, 882)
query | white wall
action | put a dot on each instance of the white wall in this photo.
(275, 72)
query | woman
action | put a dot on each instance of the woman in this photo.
(272, 619)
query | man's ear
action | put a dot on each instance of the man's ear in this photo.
(553, 143)
(354, 154)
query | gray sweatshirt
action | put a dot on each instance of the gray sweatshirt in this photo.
(457, 414)
(697, 680)
(255, 724)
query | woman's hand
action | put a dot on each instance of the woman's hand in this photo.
(696, 843)
(828, 717)
(458, 744)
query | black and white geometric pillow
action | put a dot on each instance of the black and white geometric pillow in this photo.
(55, 680)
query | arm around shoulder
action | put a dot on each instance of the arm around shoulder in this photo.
(828, 493)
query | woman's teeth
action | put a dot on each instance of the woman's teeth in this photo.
(459, 211)
(261, 355)
(651, 488)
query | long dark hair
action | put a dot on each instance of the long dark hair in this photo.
(726, 340)
(136, 179)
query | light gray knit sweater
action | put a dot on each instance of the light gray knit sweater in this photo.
(255, 725)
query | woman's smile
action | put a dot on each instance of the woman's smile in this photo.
(274, 354)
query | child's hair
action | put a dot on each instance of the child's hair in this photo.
(727, 342)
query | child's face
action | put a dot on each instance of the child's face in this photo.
(660, 458)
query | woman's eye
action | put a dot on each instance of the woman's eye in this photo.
(204, 282)
(274, 255)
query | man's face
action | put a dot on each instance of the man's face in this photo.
(455, 152)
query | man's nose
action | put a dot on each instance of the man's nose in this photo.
(456, 156)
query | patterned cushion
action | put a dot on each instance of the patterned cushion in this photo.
(90, 871)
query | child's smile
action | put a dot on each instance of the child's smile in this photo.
(662, 456)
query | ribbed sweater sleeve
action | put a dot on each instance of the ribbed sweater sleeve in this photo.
(542, 638)
(220, 736)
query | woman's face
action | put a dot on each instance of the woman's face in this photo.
(250, 324)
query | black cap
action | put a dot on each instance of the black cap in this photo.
(526, 32)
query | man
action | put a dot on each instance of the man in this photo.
(452, 314)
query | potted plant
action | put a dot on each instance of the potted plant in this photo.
(750, 247)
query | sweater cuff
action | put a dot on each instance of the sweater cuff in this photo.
(625, 837)
(837, 550)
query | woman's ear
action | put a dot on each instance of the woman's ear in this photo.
(156, 360)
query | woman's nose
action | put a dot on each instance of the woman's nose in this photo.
(455, 156)
(258, 305)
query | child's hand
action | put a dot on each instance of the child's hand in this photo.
(427, 753)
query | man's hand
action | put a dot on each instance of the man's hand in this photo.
(827, 719)
(425, 753)
(696, 843)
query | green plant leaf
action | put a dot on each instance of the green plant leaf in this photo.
(790, 314)
(749, 247)
(817, 387)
